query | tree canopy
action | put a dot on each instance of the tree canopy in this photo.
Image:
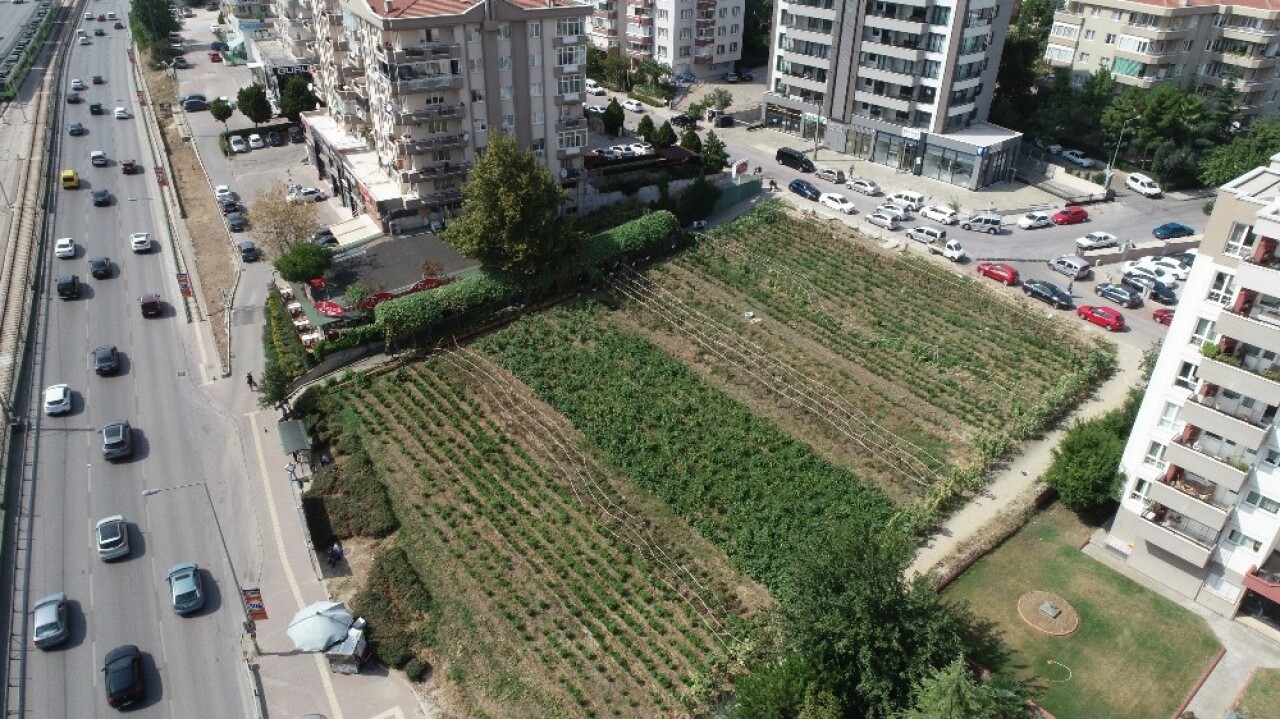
(714, 153)
(279, 224)
(151, 22)
(953, 692)
(1084, 469)
(221, 111)
(297, 98)
(305, 261)
(665, 136)
(253, 103)
(1251, 149)
(645, 129)
(510, 215)
(614, 117)
(690, 141)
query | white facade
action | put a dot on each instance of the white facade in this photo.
(693, 36)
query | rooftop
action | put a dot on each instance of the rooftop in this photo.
(276, 52)
(1223, 7)
(364, 160)
(983, 134)
(431, 8)
(1260, 185)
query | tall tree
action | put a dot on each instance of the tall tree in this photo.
(854, 617)
(151, 21)
(690, 141)
(1084, 466)
(645, 129)
(719, 98)
(510, 217)
(665, 136)
(714, 153)
(253, 103)
(613, 117)
(297, 98)
(221, 111)
(953, 692)
(1251, 149)
(303, 262)
(279, 224)
(1220, 122)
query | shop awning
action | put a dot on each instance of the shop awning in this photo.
(356, 231)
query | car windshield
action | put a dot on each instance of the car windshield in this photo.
(47, 629)
(109, 535)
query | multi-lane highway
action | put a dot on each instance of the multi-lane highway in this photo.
(192, 664)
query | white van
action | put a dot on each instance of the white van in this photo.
(905, 198)
(1072, 266)
(593, 88)
(1142, 185)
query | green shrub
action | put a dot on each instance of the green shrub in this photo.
(393, 599)
(352, 337)
(647, 99)
(281, 343)
(355, 499)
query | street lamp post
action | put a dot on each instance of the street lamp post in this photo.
(1111, 167)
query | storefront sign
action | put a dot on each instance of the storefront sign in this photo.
(253, 603)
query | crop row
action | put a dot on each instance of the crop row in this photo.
(743, 483)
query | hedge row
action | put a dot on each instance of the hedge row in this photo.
(393, 600)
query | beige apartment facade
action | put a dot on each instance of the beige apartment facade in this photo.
(1200, 511)
(1148, 43)
(697, 37)
(412, 90)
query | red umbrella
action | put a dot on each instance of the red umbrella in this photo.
(317, 283)
(329, 308)
(373, 300)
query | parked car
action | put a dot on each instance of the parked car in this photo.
(57, 399)
(866, 187)
(1174, 267)
(730, 77)
(195, 106)
(215, 56)
(248, 251)
(999, 272)
(633, 105)
(830, 175)
(880, 219)
(228, 206)
(122, 676)
(296, 134)
(275, 139)
(1070, 215)
(111, 535)
(1157, 291)
(224, 192)
(106, 360)
(1172, 230)
(1097, 240)
(1123, 295)
(837, 202)
(312, 194)
(1034, 220)
(1186, 259)
(1076, 157)
(117, 440)
(940, 214)
(1105, 317)
(140, 242)
(186, 590)
(49, 621)
(255, 141)
(238, 144)
(1048, 293)
(1142, 185)
(988, 222)
(235, 221)
(899, 214)
(804, 188)
(1144, 268)
(324, 237)
(1163, 316)
(746, 76)
(180, 63)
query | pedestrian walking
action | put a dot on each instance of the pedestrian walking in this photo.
(1071, 285)
(249, 379)
(335, 554)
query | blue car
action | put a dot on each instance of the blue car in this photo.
(805, 189)
(1170, 230)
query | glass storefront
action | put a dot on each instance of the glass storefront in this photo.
(952, 166)
(783, 119)
(858, 142)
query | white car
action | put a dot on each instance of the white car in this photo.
(883, 220)
(940, 214)
(112, 537)
(98, 158)
(140, 241)
(641, 149)
(88, 16)
(1142, 185)
(1077, 157)
(622, 151)
(897, 213)
(1097, 240)
(215, 28)
(223, 193)
(866, 187)
(255, 141)
(596, 90)
(57, 399)
(64, 248)
(78, 84)
(837, 202)
(633, 105)
(1145, 270)
(238, 144)
(122, 114)
(82, 40)
(307, 194)
(1033, 220)
(1169, 264)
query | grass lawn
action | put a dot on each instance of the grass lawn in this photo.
(1262, 698)
(1135, 653)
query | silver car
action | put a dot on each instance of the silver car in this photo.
(50, 621)
(185, 588)
(112, 536)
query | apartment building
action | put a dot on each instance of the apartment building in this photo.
(1147, 42)
(906, 84)
(412, 89)
(692, 36)
(1200, 510)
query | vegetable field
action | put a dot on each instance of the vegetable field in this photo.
(561, 590)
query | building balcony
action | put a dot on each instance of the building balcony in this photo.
(886, 74)
(1132, 81)
(703, 59)
(434, 171)
(1260, 270)
(1230, 420)
(1265, 580)
(1243, 378)
(704, 23)
(1157, 32)
(568, 98)
(1259, 325)
(604, 31)
(1190, 499)
(567, 40)
(426, 84)
(1253, 61)
(901, 49)
(562, 70)
(411, 146)
(1177, 534)
(570, 123)
(1190, 457)
(440, 111)
(706, 5)
(348, 108)
(908, 24)
(1261, 37)
(434, 200)
(704, 41)
(420, 53)
(334, 19)
(567, 152)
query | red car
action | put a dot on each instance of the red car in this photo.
(215, 57)
(1163, 316)
(1069, 215)
(129, 167)
(1104, 317)
(999, 272)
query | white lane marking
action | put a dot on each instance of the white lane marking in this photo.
(335, 710)
(392, 713)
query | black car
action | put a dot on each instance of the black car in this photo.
(68, 286)
(219, 46)
(75, 129)
(1157, 291)
(119, 25)
(683, 121)
(1124, 295)
(106, 360)
(96, 109)
(194, 105)
(746, 76)
(1048, 293)
(1186, 259)
(235, 221)
(275, 139)
(101, 198)
(180, 63)
(228, 206)
(73, 98)
(296, 134)
(324, 237)
(100, 267)
(248, 251)
(122, 676)
(117, 440)
(805, 189)
(99, 32)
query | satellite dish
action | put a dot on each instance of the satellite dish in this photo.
(563, 173)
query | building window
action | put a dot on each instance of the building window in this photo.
(535, 29)
(1104, 63)
(568, 26)
(1155, 455)
(1187, 45)
(719, 49)
(1266, 504)
(435, 127)
(480, 124)
(1139, 489)
(1272, 457)
(1117, 15)
(686, 33)
(663, 33)
(663, 14)
(736, 11)
(508, 122)
(1110, 39)
(535, 89)
(504, 62)
(1244, 541)
(539, 117)
(1064, 30)
(1203, 332)
(1052, 53)
(1084, 57)
(1088, 34)
(535, 60)
(1222, 289)
(1095, 11)
(473, 34)
(477, 95)
(686, 14)
(570, 84)
(504, 30)
(539, 148)
(1240, 241)
(1186, 376)
(724, 13)
(1169, 416)
(571, 55)
(506, 92)
(440, 156)
(733, 47)
(476, 64)
(685, 51)
(573, 138)
(733, 29)
(662, 51)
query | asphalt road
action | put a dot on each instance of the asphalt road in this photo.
(191, 664)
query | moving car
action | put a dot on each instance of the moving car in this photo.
(999, 272)
(1070, 215)
(943, 215)
(194, 105)
(255, 142)
(121, 113)
(122, 676)
(117, 440)
(100, 267)
(49, 619)
(633, 105)
(1105, 317)
(1123, 295)
(140, 242)
(64, 248)
(96, 108)
(866, 187)
(248, 251)
(99, 32)
(186, 591)
(804, 188)
(882, 220)
(1034, 220)
(82, 40)
(70, 179)
(68, 286)
(101, 198)
(594, 88)
(829, 174)
(1163, 316)
(119, 25)
(129, 167)
(97, 80)
(73, 98)
(106, 360)
(988, 222)
(78, 84)
(1172, 230)
(1048, 293)
(150, 305)
(215, 56)
(1142, 185)
(98, 158)
(57, 399)
(75, 129)
(837, 202)
(1097, 240)
(1076, 157)
(238, 144)
(111, 535)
